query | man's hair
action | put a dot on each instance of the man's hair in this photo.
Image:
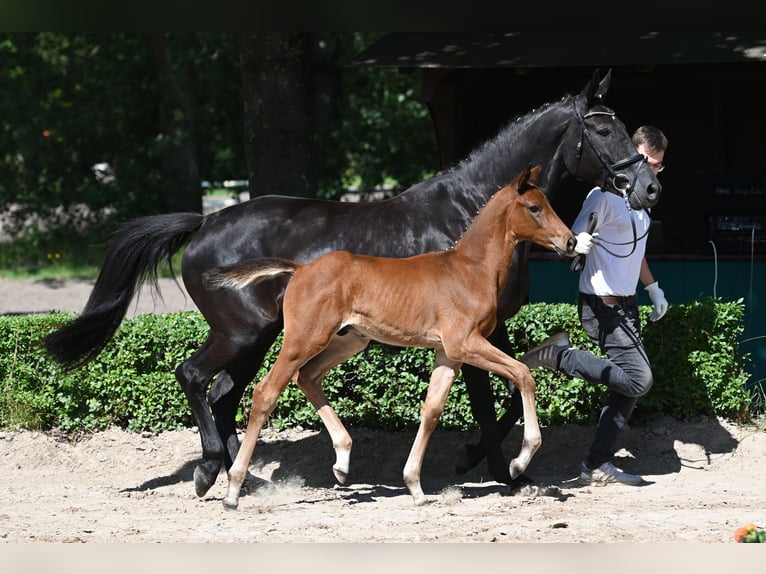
(651, 137)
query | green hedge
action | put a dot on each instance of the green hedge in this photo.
(694, 350)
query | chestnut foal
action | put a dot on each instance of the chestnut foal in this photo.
(445, 300)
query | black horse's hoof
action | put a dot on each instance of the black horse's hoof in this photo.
(473, 454)
(469, 458)
(518, 482)
(499, 469)
(501, 475)
(205, 475)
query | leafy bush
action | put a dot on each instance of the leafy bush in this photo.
(698, 367)
(130, 384)
(694, 353)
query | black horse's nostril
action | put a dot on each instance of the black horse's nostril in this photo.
(571, 242)
(653, 194)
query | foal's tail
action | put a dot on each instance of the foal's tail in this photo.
(249, 272)
(133, 256)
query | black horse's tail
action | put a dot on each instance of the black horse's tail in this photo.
(133, 255)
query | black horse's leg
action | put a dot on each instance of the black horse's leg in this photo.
(224, 398)
(226, 394)
(483, 408)
(474, 453)
(194, 376)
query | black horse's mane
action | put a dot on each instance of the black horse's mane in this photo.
(483, 160)
(503, 139)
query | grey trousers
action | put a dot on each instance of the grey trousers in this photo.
(626, 372)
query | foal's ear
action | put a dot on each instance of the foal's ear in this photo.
(534, 172)
(527, 178)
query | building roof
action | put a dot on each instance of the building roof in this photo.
(562, 49)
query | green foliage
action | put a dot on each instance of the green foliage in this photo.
(696, 361)
(69, 101)
(693, 350)
(694, 353)
(72, 100)
(750, 533)
(382, 131)
(56, 251)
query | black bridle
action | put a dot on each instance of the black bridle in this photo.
(620, 182)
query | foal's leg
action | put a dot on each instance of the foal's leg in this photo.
(265, 396)
(492, 432)
(243, 325)
(310, 380)
(514, 295)
(442, 377)
(479, 352)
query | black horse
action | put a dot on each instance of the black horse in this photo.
(577, 135)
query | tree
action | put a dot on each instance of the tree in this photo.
(278, 136)
(382, 132)
(89, 135)
(177, 117)
(315, 126)
(160, 112)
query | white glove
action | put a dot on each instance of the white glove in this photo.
(657, 296)
(584, 242)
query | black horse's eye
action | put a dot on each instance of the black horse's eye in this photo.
(604, 132)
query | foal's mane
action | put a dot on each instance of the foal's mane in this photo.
(482, 208)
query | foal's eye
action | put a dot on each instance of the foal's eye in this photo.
(535, 209)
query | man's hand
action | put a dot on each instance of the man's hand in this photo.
(657, 296)
(584, 242)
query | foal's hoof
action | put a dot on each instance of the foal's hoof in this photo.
(205, 475)
(340, 475)
(230, 504)
(468, 458)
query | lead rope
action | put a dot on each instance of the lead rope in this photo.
(602, 243)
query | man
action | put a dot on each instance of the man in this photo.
(608, 313)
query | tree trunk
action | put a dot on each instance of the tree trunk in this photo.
(278, 134)
(182, 189)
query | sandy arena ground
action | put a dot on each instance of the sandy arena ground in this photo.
(706, 481)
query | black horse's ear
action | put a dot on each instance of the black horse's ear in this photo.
(603, 86)
(597, 87)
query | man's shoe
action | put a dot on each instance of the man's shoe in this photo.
(607, 474)
(546, 354)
